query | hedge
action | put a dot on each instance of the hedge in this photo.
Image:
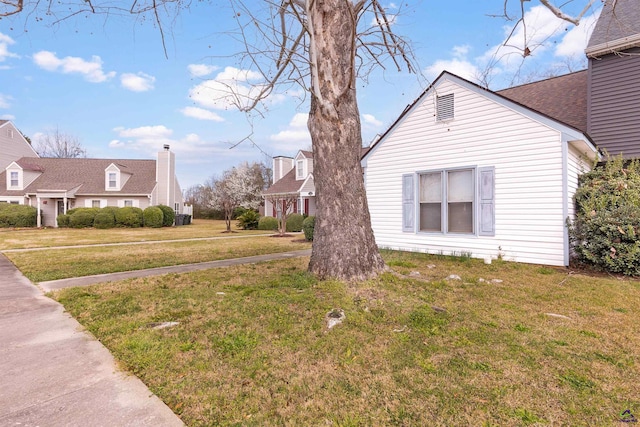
(82, 217)
(153, 217)
(268, 223)
(129, 217)
(294, 222)
(308, 225)
(168, 217)
(105, 218)
(12, 215)
(606, 231)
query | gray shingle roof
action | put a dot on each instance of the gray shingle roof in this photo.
(562, 98)
(87, 174)
(618, 21)
(285, 185)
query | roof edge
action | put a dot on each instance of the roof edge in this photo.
(613, 46)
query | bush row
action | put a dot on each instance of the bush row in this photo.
(111, 216)
(17, 215)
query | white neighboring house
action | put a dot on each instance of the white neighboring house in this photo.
(465, 170)
(54, 185)
(292, 178)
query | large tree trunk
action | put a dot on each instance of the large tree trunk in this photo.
(343, 243)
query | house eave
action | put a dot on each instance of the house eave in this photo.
(613, 46)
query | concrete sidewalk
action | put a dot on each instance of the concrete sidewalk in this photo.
(54, 374)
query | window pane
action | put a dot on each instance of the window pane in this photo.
(95, 203)
(460, 217)
(430, 217)
(431, 187)
(460, 186)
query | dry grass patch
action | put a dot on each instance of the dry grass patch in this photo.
(252, 347)
(49, 237)
(45, 265)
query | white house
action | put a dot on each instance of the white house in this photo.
(292, 180)
(465, 170)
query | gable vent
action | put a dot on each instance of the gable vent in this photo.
(444, 107)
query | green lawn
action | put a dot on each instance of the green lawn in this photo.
(52, 264)
(48, 237)
(252, 346)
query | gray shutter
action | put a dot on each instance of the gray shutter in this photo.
(486, 201)
(408, 208)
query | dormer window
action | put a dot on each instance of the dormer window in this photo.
(15, 181)
(300, 169)
(112, 180)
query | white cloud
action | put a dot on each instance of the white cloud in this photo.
(371, 120)
(5, 101)
(116, 143)
(201, 114)
(296, 135)
(139, 82)
(392, 19)
(575, 41)
(458, 65)
(230, 89)
(201, 70)
(7, 117)
(5, 42)
(144, 132)
(91, 70)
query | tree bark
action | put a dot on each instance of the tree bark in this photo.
(344, 246)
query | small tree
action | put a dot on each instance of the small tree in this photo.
(284, 206)
(239, 186)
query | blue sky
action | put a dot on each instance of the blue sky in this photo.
(106, 80)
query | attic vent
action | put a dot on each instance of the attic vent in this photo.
(444, 107)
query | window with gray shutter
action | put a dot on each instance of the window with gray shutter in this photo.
(444, 107)
(408, 208)
(486, 199)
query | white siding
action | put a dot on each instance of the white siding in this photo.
(576, 166)
(526, 154)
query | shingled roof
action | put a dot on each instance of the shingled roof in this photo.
(618, 28)
(285, 185)
(562, 98)
(87, 175)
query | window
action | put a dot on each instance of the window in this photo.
(14, 179)
(112, 180)
(444, 107)
(176, 208)
(10, 133)
(128, 203)
(95, 203)
(447, 201)
(300, 169)
(456, 201)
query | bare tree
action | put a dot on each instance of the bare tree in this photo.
(59, 145)
(283, 204)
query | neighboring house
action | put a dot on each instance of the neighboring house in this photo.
(12, 144)
(292, 180)
(54, 185)
(465, 170)
(614, 79)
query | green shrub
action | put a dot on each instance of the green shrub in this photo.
(12, 215)
(63, 220)
(294, 222)
(606, 229)
(105, 218)
(308, 226)
(153, 217)
(249, 220)
(129, 217)
(168, 217)
(82, 217)
(268, 223)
